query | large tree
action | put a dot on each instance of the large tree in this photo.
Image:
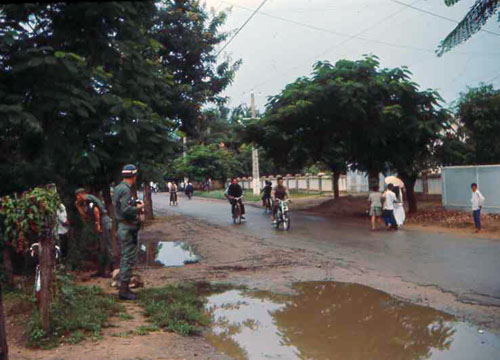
(475, 136)
(358, 114)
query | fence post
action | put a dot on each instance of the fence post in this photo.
(308, 180)
(297, 176)
(320, 182)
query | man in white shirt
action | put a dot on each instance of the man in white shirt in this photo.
(62, 229)
(388, 208)
(477, 201)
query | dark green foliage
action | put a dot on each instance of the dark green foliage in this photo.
(203, 161)
(475, 140)
(354, 113)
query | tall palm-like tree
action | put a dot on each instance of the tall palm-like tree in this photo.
(475, 19)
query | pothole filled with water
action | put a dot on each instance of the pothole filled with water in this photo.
(339, 321)
(167, 253)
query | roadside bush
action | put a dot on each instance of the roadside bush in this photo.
(77, 312)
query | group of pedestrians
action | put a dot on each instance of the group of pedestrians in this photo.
(387, 206)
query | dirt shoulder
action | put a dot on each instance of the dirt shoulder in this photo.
(229, 256)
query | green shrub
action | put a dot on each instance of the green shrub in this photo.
(76, 312)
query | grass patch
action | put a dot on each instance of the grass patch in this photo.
(178, 308)
(77, 312)
(125, 316)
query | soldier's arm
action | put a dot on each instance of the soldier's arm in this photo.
(97, 217)
(129, 211)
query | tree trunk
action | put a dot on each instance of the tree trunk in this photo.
(7, 267)
(4, 349)
(148, 202)
(336, 177)
(108, 201)
(47, 275)
(373, 180)
(409, 182)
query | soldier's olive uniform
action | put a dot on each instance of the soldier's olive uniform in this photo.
(105, 247)
(128, 227)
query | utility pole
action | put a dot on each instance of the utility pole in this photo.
(255, 154)
(184, 141)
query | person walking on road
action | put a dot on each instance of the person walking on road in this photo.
(477, 201)
(399, 208)
(375, 199)
(93, 211)
(388, 208)
(127, 211)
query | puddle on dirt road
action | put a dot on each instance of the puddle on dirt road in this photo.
(338, 321)
(167, 253)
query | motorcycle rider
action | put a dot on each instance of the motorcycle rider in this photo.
(280, 192)
(233, 191)
(266, 192)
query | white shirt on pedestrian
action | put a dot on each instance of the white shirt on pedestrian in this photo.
(477, 200)
(62, 218)
(390, 199)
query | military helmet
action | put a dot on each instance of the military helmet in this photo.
(129, 171)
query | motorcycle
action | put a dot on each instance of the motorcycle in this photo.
(237, 210)
(282, 217)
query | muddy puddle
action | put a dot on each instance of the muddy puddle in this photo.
(338, 321)
(166, 253)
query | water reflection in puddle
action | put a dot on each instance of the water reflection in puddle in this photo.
(167, 253)
(338, 321)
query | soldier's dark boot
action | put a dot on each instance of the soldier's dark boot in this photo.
(125, 293)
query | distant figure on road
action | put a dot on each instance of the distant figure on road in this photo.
(189, 190)
(399, 208)
(477, 201)
(388, 208)
(375, 199)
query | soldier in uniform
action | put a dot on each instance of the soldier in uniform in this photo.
(127, 210)
(93, 211)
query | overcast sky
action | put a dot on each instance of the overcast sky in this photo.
(286, 37)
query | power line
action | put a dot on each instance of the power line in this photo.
(438, 16)
(242, 26)
(341, 34)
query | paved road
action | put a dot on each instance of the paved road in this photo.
(468, 267)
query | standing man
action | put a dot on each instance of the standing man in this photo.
(127, 210)
(93, 211)
(62, 229)
(477, 201)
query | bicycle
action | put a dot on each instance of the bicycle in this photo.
(282, 217)
(34, 252)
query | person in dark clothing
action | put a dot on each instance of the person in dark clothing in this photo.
(189, 190)
(232, 192)
(266, 192)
